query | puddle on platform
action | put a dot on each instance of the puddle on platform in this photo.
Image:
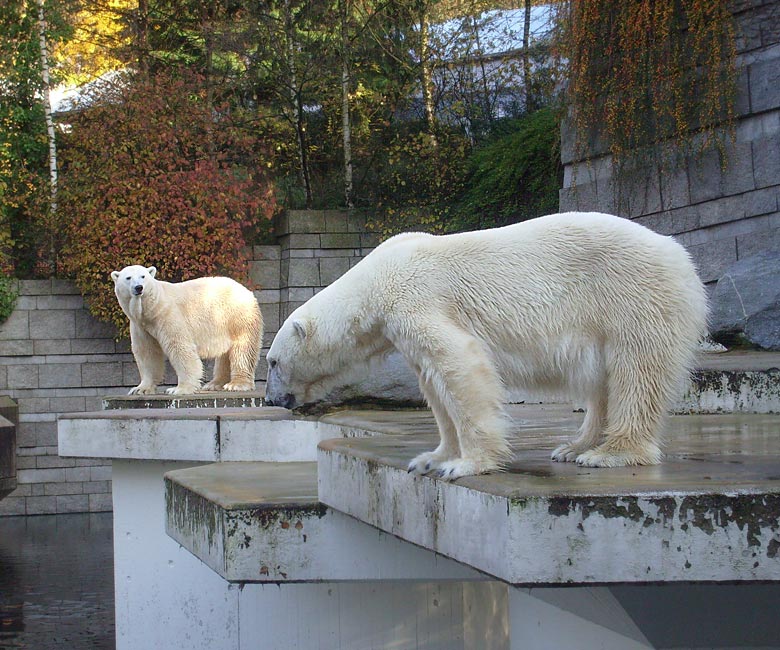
(57, 582)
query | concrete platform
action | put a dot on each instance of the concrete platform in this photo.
(208, 399)
(710, 512)
(193, 434)
(741, 381)
(263, 522)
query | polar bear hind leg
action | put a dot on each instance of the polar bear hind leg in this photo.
(221, 373)
(243, 359)
(640, 385)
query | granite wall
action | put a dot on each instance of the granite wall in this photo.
(720, 214)
(55, 358)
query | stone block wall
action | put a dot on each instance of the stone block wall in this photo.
(314, 248)
(56, 358)
(720, 214)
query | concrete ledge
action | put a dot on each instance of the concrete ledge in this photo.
(734, 382)
(154, 434)
(196, 434)
(198, 400)
(728, 391)
(262, 522)
(711, 512)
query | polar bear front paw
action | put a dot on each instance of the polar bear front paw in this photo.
(143, 389)
(453, 469)
(214, 385)
(424, 463)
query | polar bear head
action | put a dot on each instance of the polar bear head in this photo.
(319, 348)
(132, 281)
(302, 362)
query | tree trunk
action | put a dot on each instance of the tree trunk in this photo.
(296, 102)
(51, 135)
(142, 35)
(207, 30)
(346, 123)
(487, 104)
(426, 73)
(526, 57)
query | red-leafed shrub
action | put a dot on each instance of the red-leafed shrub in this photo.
(157, 173)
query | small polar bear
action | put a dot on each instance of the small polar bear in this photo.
(207, 318)
(586, 303)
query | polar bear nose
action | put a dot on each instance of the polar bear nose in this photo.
(286, 401)
(138, 289)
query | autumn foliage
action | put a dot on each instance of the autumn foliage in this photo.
(157, 173)
(641, 72)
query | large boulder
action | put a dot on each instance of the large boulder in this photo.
(746, 302)
(390, 381)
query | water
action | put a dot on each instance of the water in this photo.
(57, 582)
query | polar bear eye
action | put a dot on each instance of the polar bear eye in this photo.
(128, 278)
(272, 363)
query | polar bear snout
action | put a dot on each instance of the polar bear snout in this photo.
(287, 401)
(138, 289)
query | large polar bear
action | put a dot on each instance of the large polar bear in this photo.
(583, 302)
(207, 318)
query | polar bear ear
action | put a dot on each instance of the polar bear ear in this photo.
(152, 270)
(299, 325)
(114, 275)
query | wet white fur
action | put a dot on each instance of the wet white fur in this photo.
(586, 303)
(207, 318)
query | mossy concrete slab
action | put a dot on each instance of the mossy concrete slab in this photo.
(710, 512)
(741, 381)
(263, 522)
(197, 434)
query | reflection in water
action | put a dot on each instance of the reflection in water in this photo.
(57, 582)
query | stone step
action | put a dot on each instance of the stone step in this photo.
(710, 512)
(194, 434)
(215, 399)
(263, 522)
(734, 382)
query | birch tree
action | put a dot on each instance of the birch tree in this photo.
(346, 123)
(50, 133)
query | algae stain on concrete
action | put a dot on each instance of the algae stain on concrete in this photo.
(623, 507)
(189, 512)
(750, 513)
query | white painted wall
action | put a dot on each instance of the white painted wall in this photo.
(165, 597)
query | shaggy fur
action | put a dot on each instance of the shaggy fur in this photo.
(208, 318)
(585, 303)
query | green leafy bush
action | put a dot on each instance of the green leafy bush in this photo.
(155, 172)
(9, 292)
(515, 175)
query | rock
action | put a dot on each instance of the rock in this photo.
(746, 302)
(390, 381)
(763, 329)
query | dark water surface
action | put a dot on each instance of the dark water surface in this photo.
(57, 582)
